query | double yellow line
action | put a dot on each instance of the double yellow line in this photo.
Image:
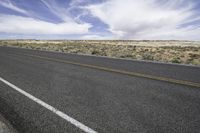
(135, 74)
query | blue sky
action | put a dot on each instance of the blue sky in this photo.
(100, 19)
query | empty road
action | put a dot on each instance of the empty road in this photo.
(49, 92)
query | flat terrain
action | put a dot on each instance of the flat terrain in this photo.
(181, 52)
(104, 94)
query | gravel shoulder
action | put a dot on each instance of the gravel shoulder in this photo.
(5, 126)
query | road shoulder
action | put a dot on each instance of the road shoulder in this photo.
(5, 126)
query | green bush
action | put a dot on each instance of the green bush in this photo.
(95, 52)
(147, 56)
(176, 60)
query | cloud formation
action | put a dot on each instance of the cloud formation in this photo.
(101, 19)
(10, 5)
(29, 25)
(148, 19)
(58, 10)
(25, 25)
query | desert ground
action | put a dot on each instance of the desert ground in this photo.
(181, 52)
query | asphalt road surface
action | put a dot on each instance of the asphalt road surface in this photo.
(49, 92)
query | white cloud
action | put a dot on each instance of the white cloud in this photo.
(76, 2)
(147, 19)
(10, 5)
(96, 37)
(25, 25)
(29, 25)
(58, 10)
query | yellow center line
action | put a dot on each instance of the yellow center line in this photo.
(135, 74)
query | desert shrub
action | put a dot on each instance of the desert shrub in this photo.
(128, 56)
(194, 55)
(195, 62)
(189, 61)
(4, 42)
(147, 56)
(122, 56)
(176, 60)
(125, 55)
(95, 52)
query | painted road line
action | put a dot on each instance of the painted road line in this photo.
(135, 74)
(51, 108)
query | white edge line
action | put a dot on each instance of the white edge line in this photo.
(51, 108)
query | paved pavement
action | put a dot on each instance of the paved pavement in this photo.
(102, 100)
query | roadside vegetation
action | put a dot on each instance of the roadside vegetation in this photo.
(181, 52)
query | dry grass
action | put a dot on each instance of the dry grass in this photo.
(183, 52)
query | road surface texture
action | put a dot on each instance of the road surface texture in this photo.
(105, 95)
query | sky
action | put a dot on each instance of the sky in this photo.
(100, 19)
